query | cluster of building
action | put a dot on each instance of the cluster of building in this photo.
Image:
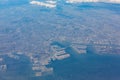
(101, 48)
(79, 48)
(59, 53)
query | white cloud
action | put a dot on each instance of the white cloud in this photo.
(49, 4)
(107, 1)
(53, 3)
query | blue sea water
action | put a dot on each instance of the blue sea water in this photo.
(88, 66)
